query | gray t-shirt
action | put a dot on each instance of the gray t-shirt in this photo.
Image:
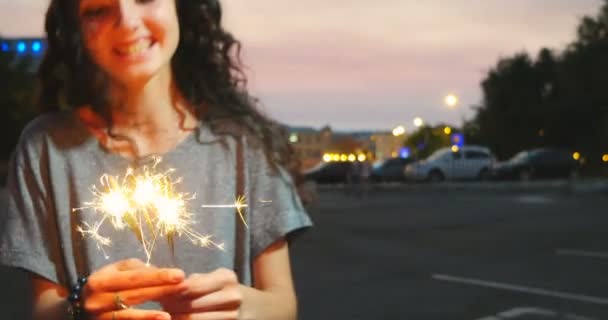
(57, 162)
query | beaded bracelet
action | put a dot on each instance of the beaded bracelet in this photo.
(75, 310)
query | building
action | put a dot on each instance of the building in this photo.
(310, 144)
(387, 145)
(313, 146)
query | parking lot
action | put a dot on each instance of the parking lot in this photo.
(452, 253)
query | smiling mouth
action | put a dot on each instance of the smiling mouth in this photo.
(134, 49)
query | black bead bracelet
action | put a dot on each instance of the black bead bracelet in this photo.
(75, 309)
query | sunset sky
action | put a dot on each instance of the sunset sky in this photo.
(357, 64)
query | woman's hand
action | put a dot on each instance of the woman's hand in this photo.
(112, 289)
(209, 296)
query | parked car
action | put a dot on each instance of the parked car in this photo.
(537, 164)
(465, 163)
(390, 170)
(328, 172)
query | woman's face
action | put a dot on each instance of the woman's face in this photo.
(131, 40)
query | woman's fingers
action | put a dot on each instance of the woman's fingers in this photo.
(106, 301)
(229, 298)
(122, 265)
(134, 314)
(205, 283)
(111, 281)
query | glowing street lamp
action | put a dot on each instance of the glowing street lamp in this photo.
(418, 122)
(293, 138)
(451, 100)
(399, 131)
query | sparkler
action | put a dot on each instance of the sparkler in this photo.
(150, 207)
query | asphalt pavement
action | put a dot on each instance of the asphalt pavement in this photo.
(423, 252)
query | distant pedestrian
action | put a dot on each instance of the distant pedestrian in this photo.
(365, 172)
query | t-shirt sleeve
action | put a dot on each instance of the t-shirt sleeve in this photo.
(276, 210)
(27, 223)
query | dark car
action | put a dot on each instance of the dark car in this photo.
(537, 164)
(390, 170)
(328, 172)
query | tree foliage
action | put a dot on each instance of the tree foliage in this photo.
(17, 90)
(426, 140)
(551, 99)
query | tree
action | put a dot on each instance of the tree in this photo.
(555, 99)
(426, 140)
(510, 114)
(17, 90)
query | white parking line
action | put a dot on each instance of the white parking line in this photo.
(581, 253)
(517, 312)
(529, 290)
(527, 311)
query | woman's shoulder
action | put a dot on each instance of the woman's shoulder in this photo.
(56, 126)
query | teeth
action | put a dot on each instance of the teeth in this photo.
(135, 48)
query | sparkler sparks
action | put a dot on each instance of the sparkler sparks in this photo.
(239, 204)
(148, 205)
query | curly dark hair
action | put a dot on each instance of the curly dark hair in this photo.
(207, 69)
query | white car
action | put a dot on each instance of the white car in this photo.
(465, 163)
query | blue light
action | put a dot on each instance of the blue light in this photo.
(21, 47)
(36, 46)
(404, 153)
(458, 139)
(5, 47)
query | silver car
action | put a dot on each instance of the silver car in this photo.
(452, 163)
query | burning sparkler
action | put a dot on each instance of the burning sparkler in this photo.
(148, 205)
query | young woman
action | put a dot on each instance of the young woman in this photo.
(123, 82)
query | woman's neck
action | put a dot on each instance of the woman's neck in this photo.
(148, 119)
(155, 105)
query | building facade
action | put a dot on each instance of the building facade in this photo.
(310, 144)
(314, 146)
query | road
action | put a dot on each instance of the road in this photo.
(449, 254)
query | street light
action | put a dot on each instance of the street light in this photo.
(293, 138)
(398, 131)
(451, 100)
(418, 122)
